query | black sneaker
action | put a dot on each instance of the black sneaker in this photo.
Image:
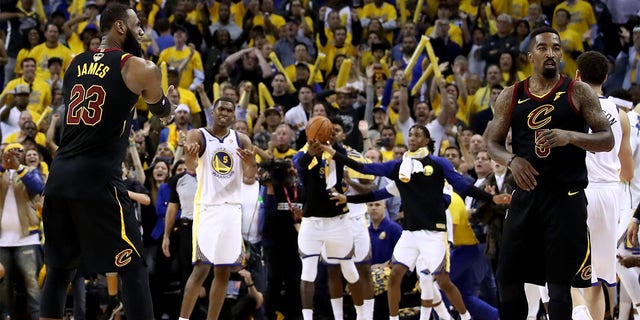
(112, 310)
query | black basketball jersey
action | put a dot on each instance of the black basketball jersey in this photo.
(96, 124)
(531, 115)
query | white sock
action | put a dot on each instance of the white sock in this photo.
(394, 317)
(307, 314)
(425, 313)
(581, 313)
(336, 305)
(465, 316)
(442, 312)
(368, 308)
(181, 318)
(359, 312)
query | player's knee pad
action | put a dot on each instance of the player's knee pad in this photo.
(349, 271)
(309, 269)
(426, 285)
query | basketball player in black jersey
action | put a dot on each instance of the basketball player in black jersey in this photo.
(545, 237)
(87, 220)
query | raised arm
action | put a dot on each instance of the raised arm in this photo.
(144, 77)
(193, 150)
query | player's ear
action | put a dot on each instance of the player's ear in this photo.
(577, 78)
(121, 26)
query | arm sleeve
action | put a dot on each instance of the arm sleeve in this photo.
(383, 169)
(173, 190)
(461, 185)
(32, 180)
(379, 194)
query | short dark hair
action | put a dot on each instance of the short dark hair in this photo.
(593, 67)
(223, 99)
(453, 148)
(28, 59)
(425, 132)
(338, 121)
(113, 12)
(538, 31)
(388, 127)
(565, 11)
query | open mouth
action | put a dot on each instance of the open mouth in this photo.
(550, 63)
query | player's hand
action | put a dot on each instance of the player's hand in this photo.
(192, 149)
(246, 276)
(247, 156)
(165, 247)
(339, 198)
(363, 127)
(551, 138)
(328, 149)
(524, 173)
(629, 261)
(503, 198)
(632, 233)
(10, 159)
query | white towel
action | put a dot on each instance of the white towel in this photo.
(410, 164)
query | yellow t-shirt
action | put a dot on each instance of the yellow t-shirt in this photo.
(237, 10)
(505, 76)
(279, 155)
(40, 96)
(291, 72)
(331, 51)
(151, 18)
(41, 139)
(41, 53)
(582, 16)
(23, 53)
(385, 13)
(466, 6)
(573, 40)
(463, 112)
(480, 101)
(519, 8)
(277, 21)
(75, 44)
(174, 57)
(455, 33)
(462, 232)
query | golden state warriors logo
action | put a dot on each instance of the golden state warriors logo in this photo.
(427, 170)
(222, 162)
(123, 258)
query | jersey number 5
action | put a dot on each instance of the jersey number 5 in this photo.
(86, 105)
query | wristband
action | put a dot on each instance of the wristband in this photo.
(511, 160)
(251, 285)
(162, 108)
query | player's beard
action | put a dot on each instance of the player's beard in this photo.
(550, 73)
(131, 45)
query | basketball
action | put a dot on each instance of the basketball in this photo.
(319, 128)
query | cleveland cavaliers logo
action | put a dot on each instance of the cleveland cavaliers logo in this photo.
(539, 118)
(585, 273)
(123, 258)
(222, 162)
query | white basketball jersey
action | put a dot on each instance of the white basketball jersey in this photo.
(219, 171)
(605, 166)
(634, 139)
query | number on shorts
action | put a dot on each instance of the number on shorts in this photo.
(86, 105)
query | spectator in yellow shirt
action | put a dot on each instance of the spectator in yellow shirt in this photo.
(301, 55)
(570, 40)
(455, 33)
(185, 58)
(40, 96)
(382, 11)
(339, 45)
(582, 15)
(50, 48)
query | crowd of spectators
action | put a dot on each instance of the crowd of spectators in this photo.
(284, 61)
